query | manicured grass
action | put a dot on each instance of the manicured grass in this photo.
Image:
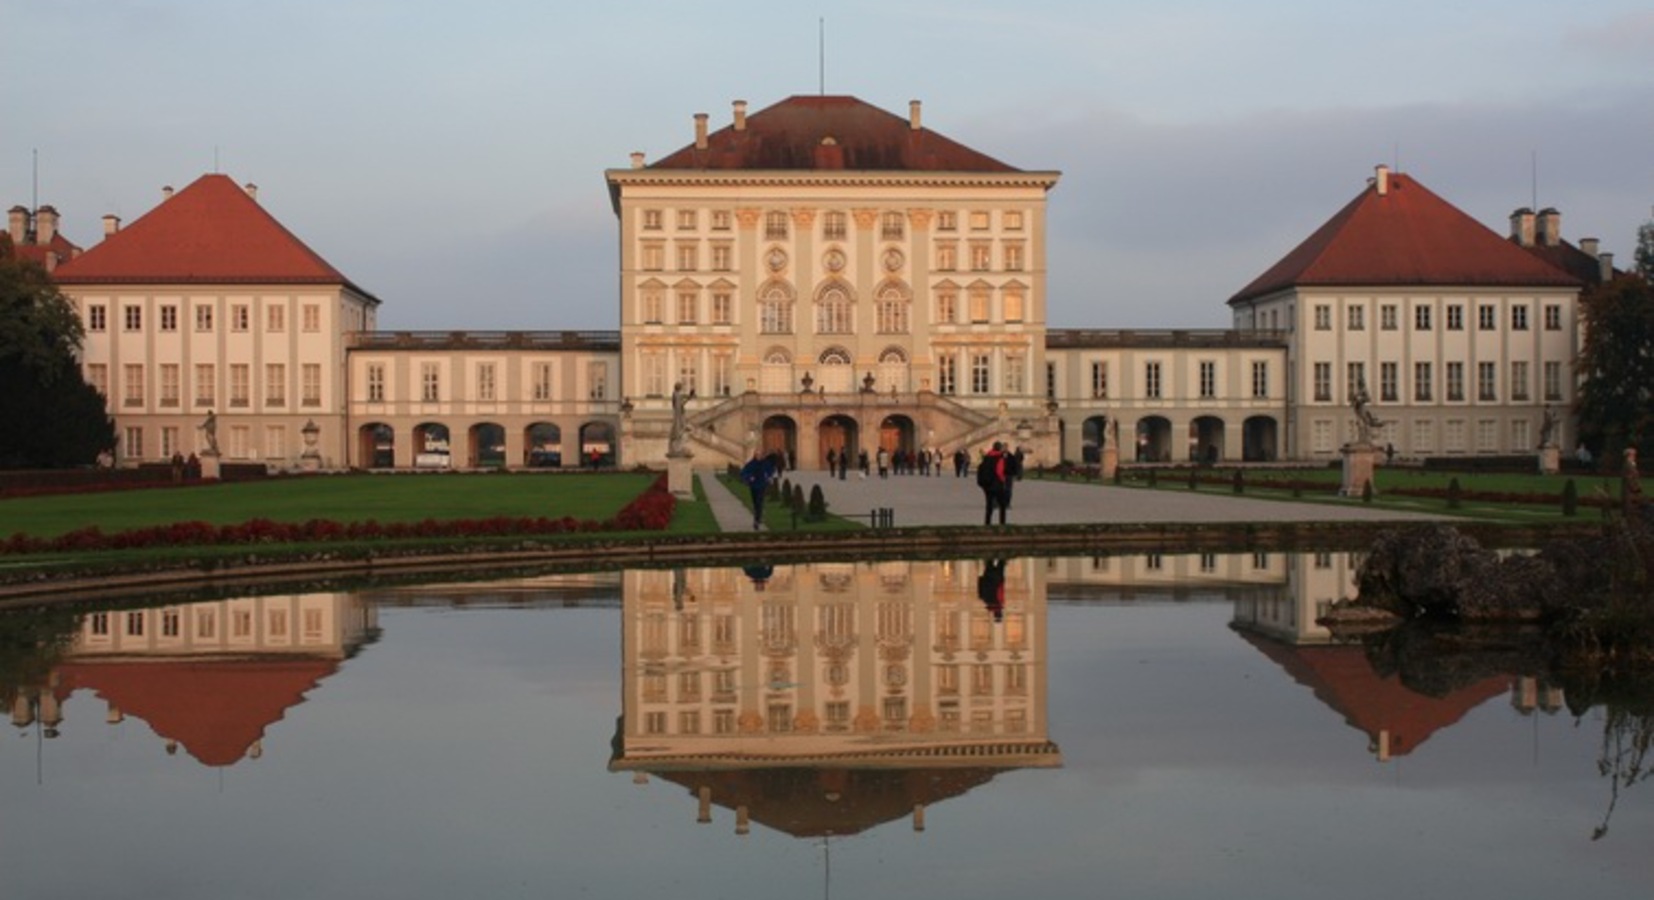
(779, 518)
(341, 498)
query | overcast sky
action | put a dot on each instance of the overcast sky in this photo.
(449, 157)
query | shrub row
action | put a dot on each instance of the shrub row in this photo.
(649, 511)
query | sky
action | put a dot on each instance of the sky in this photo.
(449, 158)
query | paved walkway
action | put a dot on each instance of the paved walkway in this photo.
(947, 500)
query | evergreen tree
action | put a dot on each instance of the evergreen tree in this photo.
(1616, 365)
(1645, 251)
(49, 415)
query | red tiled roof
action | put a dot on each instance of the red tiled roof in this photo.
(211, 232)
(215, 709)
(1343, 679)
(59, 246)
(1404, 237)
(791, 135)
(801, 801)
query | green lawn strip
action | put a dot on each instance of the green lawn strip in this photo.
(341, 498)
(780, 518)
(693, 516)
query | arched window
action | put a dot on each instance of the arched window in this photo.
(837, 374)
(835, 313)
(775, 309)
(892, 307)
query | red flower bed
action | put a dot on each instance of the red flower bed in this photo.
(650, 511)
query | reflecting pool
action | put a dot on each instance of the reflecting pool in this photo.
(1133, 726)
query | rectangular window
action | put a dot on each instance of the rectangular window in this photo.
(1487, 435)
(980, 383)
(376, 382)
(206, 384)
(1455, 317)
(135, 624)
(597, 380)
(311, 377)
(947, 307)
(720, 220)
(947, 373)
(240, 319)
(775, 225)
(1357, 318)
(833, 226)
(723, 308)
(1260, 380)
(1151, 380)
(542, 381)
(275, 441)
(1553, 381)
(240, 441)
(1455, 382)
(979, 305)
(169, 318)
(722, 374)
(97, 375)
(687, 302)
(1519, 380)
(203, 318)
(947, 220)
(169, 384)
(486, 382)
(1012, 301)
(654, 257)
(1323, 317)
(169, 441)
(1487, 381)
(275, 384)
(1208, 379)
(892, 226)
(96, 317)
(1320, 436)
(312, 317)
(1487, 317)
(1387, 317)
(688, 257)
(689, 371)
(947, 256)
(1016, 373)
(1323, 382)
(134, 443)
(1421, 318)
(979, 220)
(1355, 378)
(687, 220)
(1519, 318)
(1099, 379)
(1011, 220)
(982, 257)
(721, 256)
(1013, 257)
(1424, 436)
(652, 220)
(133, 318)
(430, 382)
(132, 390)
(1553, 317)
(1421, 381)
(1389, 377)
(1453, 436)
(652, 302)
(275, 318)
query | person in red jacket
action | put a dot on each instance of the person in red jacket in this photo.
(993, 476)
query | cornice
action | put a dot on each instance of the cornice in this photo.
(814, 178)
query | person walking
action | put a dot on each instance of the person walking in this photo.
(992, 476)
(884, 463)
(756, 475)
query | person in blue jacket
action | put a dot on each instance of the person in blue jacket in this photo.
(756, 475)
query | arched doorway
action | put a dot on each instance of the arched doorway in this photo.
(376, 446)
(1093, 437)
(838, 434)
(486, 446)
(543, 446)
(1154, 439)
(780, 436)
(1259, 439)
(597, 444)
(896, 434)
(431, 446)
(1206, 440)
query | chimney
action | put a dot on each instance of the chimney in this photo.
(252, 190)
(913, 115)
(1588, 246)
(1550, 227)
(1521, 227)
(111, 224)
(1381, 179)
(700, 131)
(637, 159)
(45, 224)
(18, 224)
(166, 192)
(740, 115)
(1606, 260)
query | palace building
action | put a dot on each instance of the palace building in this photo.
(823, 275)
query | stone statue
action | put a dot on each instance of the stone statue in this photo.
(209, 431)
(677, 440)
(1547, 429)
(1367, 423)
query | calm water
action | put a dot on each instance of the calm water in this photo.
(1131, 727)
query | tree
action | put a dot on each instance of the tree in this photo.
(49, 415)
(1645, 251)
(1616, 365)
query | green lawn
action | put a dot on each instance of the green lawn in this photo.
(342, 498)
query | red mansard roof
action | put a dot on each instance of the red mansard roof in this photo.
(793, 134)
(1406, 236)
(211, 232)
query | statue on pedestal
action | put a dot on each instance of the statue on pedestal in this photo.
(1547, 429)
(209, 432)
(677, 441)
(1367, 423)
